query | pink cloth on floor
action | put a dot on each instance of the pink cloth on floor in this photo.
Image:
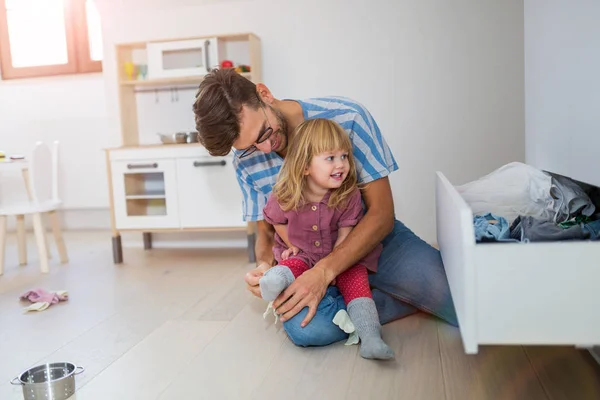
(40, 295)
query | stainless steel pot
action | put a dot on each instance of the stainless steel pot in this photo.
(54, 381)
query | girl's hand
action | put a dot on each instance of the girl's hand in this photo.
(291, 251)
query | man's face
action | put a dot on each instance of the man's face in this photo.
(254, 123)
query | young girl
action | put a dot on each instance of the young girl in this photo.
(313, 207)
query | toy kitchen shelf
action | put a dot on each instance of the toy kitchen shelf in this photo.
(172, 81)
(174, 187)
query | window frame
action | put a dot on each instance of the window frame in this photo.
(77, 40)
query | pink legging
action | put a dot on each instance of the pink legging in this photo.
(352, 283)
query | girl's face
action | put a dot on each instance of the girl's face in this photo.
(327, 170)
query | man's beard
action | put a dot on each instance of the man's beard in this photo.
(283, 128)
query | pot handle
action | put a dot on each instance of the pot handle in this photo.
(16, 381)
(80, 368)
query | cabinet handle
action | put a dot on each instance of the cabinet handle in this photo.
(206, 61)
(140, 166)
(209, 163)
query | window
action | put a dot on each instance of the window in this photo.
(49, 37)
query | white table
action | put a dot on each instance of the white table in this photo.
(14, 165)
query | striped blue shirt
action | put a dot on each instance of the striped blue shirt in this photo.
(257, 173)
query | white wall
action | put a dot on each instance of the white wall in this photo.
(71, 109)
(562, 82)
(444, 80)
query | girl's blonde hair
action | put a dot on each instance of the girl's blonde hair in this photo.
(313, 137)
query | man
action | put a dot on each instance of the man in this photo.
(231, 112)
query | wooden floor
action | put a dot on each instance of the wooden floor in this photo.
(178, 324)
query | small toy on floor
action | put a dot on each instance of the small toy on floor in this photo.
(43, 299)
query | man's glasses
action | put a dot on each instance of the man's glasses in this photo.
(261, 138)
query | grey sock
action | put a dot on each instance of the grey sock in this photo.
(364, 316)
(275, 281)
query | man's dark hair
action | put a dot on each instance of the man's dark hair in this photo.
(217, 108)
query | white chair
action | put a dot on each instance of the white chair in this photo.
(43, 181)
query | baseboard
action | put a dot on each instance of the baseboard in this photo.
(99, 220)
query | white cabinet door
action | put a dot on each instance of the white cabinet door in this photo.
(145, 194)
(209, 195)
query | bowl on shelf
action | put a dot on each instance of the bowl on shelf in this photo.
(171, 138)
(192, 137)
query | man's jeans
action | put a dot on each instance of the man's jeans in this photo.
(410, 277)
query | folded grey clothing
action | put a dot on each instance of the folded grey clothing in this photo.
(569, 199)
(530, 229)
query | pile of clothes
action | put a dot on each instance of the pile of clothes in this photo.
(519, 203)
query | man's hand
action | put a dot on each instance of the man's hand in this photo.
(252, 278)
(293, 250)
(307, 290)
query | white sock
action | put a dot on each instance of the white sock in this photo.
(275, 281)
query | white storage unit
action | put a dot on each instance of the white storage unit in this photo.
(174, 187)
(166, 188)
(542, 293)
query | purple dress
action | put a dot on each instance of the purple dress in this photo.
(313, 228)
